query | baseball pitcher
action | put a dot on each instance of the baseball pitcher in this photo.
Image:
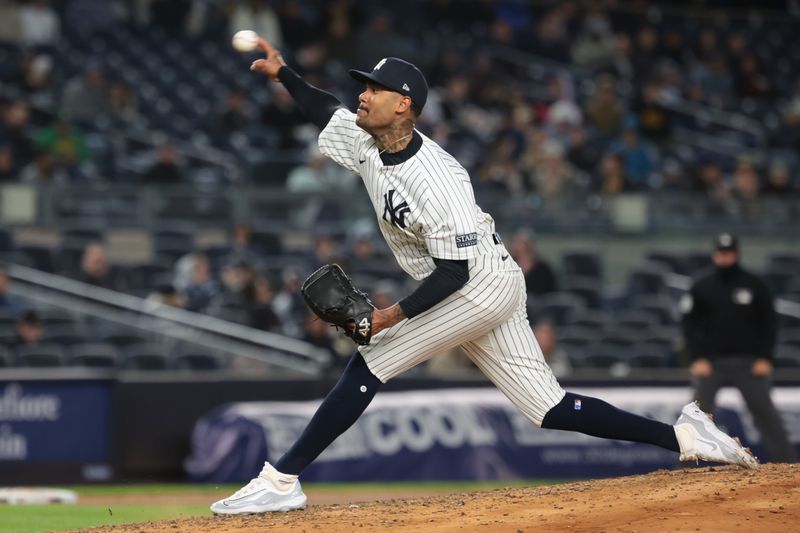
(472, 292)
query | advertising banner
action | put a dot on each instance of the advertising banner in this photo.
(455, 434)
(54, 422)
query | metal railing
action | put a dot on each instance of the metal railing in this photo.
(155, 317)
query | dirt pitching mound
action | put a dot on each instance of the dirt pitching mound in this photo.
(695, 499)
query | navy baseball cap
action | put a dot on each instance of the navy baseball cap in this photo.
(399, 76)
(726, 242)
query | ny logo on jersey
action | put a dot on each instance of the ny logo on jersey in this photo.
(397, 213)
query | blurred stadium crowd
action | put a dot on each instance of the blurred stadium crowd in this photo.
(546, 101)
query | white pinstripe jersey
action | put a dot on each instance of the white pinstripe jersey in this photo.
(425, 205)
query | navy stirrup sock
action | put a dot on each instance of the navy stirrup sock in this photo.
(339, 410)
(600, 419)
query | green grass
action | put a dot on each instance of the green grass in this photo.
(37, 518)
(34, 518)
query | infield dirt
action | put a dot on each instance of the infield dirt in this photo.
(694, 499)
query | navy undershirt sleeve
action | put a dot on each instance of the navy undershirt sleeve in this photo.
(318, 105)
(448, 276)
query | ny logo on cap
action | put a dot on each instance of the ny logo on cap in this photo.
(380, 64)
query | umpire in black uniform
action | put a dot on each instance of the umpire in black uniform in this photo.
(730, 327)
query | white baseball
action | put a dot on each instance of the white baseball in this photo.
(245, 40)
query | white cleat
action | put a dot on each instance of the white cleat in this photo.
(262, 495)
(700, 439)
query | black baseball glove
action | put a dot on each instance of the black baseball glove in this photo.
(330, 294)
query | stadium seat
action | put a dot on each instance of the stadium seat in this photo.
(789, 337)
(695, 262)
(650, 355)
(8, 317)
(778, 280)
(658, 305)
(64, 335)
(6, 357)
(198, 360)
(41, 355)
(560, 306)
(42, 256)
(787, 357)
(587, 288)
(582, 264)
(121, 339)
(636, 319)
(785, 262)
(144, 356)
(647, 279)
(595, 320)
(94, 355)
(672, 262)
(58, 318)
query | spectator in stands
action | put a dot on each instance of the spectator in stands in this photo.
(319, 333)
(710, 179)
(384, 293)
(39, 24)
(122, 102)
(539, 277)
(7, 172)
(35, 76)
(730, 325)
(43, 170)
(202, 287)
(636, 157)
(10, 29)
(256, 15)
(594, 47)
(165, 170)
(87, 17)
(166, 294)
(750, 80)
(340, 42)
(262, 316)
(612, 174)
(550, 175)
(15, 131)
(97, 270)
(67, 144)
(645, 52)
(285, 117)
(288, 303)
(746, 183)
(500, 171)
(583, 154)
(85, 97)
(170, 14)
(242, 248)
(655, 120)
(30, 330)
(557, 359)
(8, 302)
(319, 175)
(779, 181)
(298, 23)
(604, 110)
(234, 300)
(326, 250)
(378, 39)
(235, 115)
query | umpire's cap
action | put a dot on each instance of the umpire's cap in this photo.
(726, 242)
(399, 76)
